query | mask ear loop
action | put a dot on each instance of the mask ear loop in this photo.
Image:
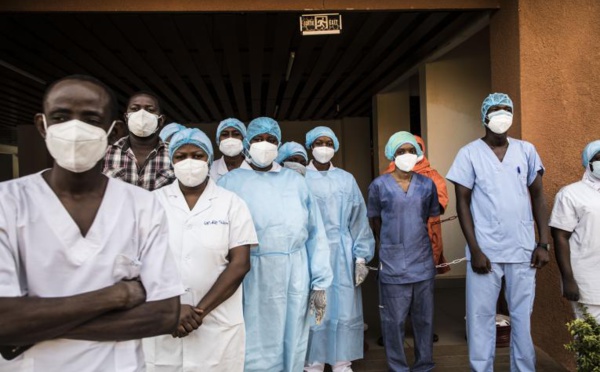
(111, 128)
(45, 123)
(157, 120)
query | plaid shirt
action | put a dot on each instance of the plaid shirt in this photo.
(156, 171)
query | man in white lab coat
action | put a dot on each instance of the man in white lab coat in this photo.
(85, 270)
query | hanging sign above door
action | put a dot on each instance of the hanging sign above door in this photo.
(321, 24)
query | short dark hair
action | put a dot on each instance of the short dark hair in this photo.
(149, 94)
(114, 107)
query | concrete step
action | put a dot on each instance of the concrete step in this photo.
(450, 358)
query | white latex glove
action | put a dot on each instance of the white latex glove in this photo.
(360, 272)
(317, 304)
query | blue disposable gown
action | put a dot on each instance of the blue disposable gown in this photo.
(292, 257)
(340, 336)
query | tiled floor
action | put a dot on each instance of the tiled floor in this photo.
(450, 353)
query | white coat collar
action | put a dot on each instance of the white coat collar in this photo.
(312, 167)
(221, 167)
(590, 179)
(176, 198)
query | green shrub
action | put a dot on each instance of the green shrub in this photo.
(586, 342)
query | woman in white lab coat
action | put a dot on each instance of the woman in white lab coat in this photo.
(210, 234)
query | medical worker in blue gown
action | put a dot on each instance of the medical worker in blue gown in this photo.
(399, 206)
(292, 155)
(499, 196)
(339, 339)
(290, 267)
(229, 137)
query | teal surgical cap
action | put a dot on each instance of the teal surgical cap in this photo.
(169, 130)
(191, 136)
(398, 139)
(230, 123)
(321, 131)
(262, 125)
(494, 99)
(589, 152)
(290, 149)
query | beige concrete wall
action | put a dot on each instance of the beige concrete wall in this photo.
(552, 64)
(391, 113)
(505, 50)
(356, 150)
(452, 89)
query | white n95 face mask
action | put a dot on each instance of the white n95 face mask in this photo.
(295, 166)
(76, 146)
(191, 172)
(406, 162)
(231, 146)
(323, 154)
(500, 121)
(262, 154)
(596, 171)
(142, 123)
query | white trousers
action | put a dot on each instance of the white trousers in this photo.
(337, 367)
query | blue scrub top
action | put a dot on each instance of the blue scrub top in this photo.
(500, 201)
(405, 254)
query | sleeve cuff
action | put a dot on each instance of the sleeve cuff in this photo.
(562, 226)
(163, 294)
(460, 182)
(360, 260)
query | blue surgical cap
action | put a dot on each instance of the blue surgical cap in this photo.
(290, 149)
(589, 152)
(317, 132)
(169, 130)
(262, 125)
(192, 136)
(494, 99)
(398, 139)
(230, 123)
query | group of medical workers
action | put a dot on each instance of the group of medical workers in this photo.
(254, 261)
